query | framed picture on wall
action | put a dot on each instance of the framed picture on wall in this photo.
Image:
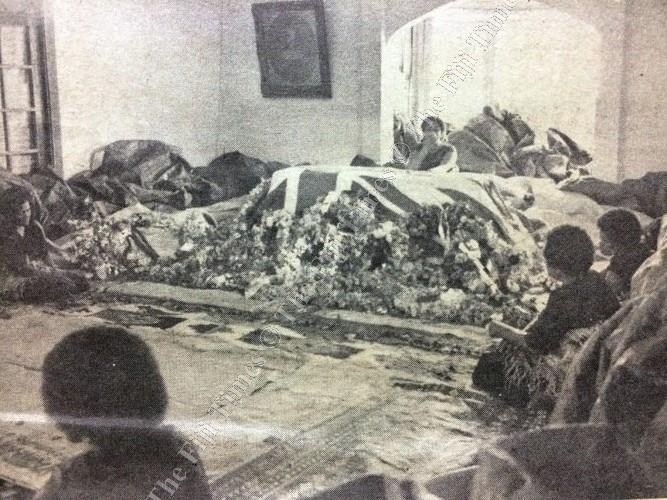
(292, 49)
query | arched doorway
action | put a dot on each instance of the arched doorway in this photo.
(541, 63)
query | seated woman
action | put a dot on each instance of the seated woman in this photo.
(26, 268)
(583, 300)
(103, 385)
(621, 237)
(434, 150)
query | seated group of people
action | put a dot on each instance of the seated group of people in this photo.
(584, 299)
(103, 384)
(606, 434)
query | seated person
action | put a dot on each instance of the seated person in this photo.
(102, 384)
(434, 150)
(583, 300)
(26, 267)
(621, 237)
(518, 368)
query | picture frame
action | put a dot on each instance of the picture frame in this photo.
(292, 49)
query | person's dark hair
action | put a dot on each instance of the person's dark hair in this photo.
(102, 372)
(433, 121)
(12, 198)
(621, 226)
(570, 250)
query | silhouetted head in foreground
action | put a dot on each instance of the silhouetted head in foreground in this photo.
(102, 383)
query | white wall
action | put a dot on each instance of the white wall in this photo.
(644, 115)
(187, 73)
(305, 130)
(547, 69)
(147, 69)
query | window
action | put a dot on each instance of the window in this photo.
(26, 135)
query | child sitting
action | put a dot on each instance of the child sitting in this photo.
(620, 237)
(583, 300)
(103, 385)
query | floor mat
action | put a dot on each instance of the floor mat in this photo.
(146, 318)
(303, 345)
(203, 328)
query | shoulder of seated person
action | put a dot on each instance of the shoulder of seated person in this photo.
(591, 278)
(592, 275)
(600, 283)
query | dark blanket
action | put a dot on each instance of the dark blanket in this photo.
(61, 202)
(500, 142)
(156, 175)
(620, 374)
(647, 194)
(149, 164)
(149, 172)
(236, 174)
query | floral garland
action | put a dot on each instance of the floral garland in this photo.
(441, 262)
